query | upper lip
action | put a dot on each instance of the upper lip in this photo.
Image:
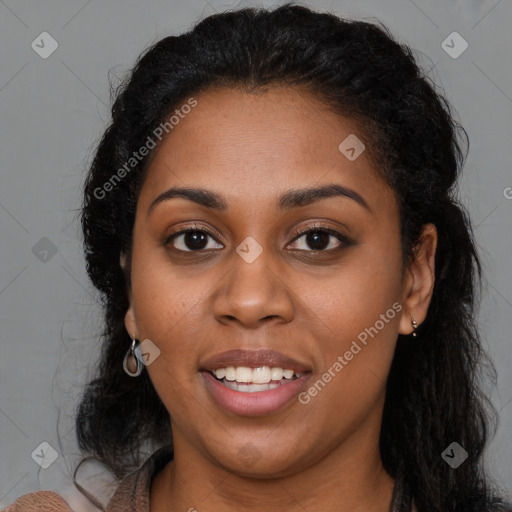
(253, 359)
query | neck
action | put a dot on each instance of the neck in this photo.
(349, 478)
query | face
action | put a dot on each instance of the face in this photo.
(255, 274)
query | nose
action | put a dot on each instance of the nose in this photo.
(252, 294)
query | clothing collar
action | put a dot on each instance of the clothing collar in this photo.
(133, 493)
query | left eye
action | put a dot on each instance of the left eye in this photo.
(320, 239)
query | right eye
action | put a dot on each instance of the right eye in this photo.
(191, 240)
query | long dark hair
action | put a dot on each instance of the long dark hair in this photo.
(434, 392)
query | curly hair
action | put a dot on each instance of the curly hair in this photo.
(434, 394)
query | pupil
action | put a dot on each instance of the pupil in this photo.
(317, 239)
(195, 240)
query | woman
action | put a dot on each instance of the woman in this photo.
(289, 280)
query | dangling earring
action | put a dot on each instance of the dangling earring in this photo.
(414, 326)
(130, 353)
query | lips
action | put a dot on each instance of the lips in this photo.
(253, 359)
(252, 399)
(261, 403)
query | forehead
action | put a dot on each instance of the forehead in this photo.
(259, 143)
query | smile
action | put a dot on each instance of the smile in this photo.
(253, 380)
(250, 398)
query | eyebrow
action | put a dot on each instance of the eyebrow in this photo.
(291, 199)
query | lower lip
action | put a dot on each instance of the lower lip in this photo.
(258, 403)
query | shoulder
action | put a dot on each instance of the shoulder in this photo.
(39, 501)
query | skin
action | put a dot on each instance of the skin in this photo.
(310, 305)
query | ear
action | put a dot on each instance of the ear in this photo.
(418, 283)
(130, 322)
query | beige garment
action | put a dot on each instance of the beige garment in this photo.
(132, 495)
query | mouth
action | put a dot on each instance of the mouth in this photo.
(254, 382)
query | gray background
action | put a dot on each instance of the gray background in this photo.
(53, 112)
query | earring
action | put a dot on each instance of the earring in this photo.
(130, 355)
(414, 326)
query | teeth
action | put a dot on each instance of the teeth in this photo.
(261, 375)
(277, 373)
(288, 374)
(220, 373)
(250, 388)
(230, 373)
(256, 376)
(243, 374)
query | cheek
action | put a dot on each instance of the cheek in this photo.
(168, 314)
(359, 311)
(354, 356)
(168, 311)
(160, 295)
(354, 296)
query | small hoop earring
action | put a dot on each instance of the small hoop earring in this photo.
(138, 364)
(414, 326)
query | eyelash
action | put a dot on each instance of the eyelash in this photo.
(345, 241)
